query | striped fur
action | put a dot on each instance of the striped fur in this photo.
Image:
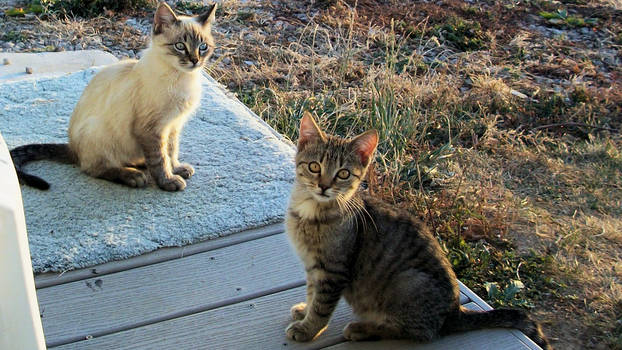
(132, 112)
(382, 260)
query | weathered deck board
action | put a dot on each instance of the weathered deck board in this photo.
(175, 301)
(165, 290)
(254, 324)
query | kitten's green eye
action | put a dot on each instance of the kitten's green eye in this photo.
(180, 46)
(314, 167)
(343, 174)
(203, 47)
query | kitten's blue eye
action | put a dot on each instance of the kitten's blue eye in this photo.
(180, 46)
(203, 47)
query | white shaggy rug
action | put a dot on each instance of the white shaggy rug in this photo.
(244, 171)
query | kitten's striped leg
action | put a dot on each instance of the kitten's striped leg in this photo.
(159, 163)
(326, 295)
(299, 311)
(184, 170)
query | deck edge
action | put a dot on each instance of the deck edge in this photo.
(157, 256)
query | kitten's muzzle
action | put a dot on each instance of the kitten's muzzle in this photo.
(323, 188)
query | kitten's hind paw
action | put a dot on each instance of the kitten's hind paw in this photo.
(358, 331)
(173, 183)
(128, 176)
(298, 332)
(184, 170)
(299, 311)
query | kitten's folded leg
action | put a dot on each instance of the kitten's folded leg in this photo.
(358, 331)
(129, 176)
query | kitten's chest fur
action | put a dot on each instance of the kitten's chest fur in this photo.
(170, 98)
(313, 231)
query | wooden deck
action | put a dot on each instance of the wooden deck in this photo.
(230, 293)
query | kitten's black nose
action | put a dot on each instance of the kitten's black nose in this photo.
(194, 60)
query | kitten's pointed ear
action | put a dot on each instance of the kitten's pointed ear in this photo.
(207, 17)
(309, 130)
(365, 144)
(164, 17)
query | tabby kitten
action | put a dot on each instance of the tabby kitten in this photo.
(386, 263)
(131, 113)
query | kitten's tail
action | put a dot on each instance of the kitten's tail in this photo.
(21, 155)
(499, 318)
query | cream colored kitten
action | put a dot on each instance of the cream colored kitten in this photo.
(132, 112)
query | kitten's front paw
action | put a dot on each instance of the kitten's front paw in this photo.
(298, 332)
(299, 311)
(184, 170)
(173, 183)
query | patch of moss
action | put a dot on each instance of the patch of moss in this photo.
(463, 34)
(561, 18)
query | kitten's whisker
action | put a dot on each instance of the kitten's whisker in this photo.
(366, 214)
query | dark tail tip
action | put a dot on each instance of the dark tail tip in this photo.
(33, 181)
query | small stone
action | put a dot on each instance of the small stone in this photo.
(28, 70)
(6, 62)
(518, 94)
